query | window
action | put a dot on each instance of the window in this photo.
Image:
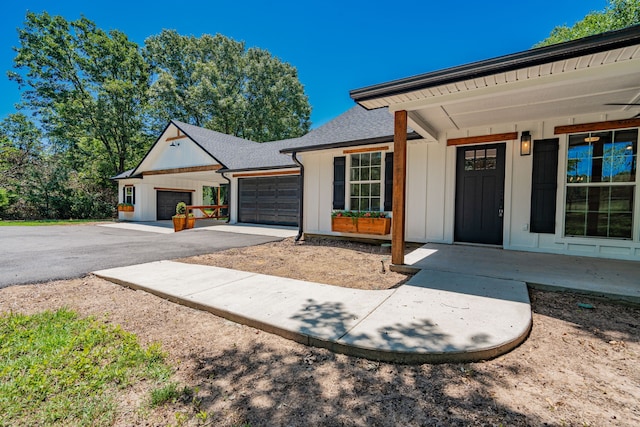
(129, 195)
(601, 176)
(365, 182)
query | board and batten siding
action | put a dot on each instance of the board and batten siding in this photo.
(430, 209)
(145, 207)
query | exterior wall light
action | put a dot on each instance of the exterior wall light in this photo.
(525, 143)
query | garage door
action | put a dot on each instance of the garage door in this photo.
(270, 200)
(166, 202)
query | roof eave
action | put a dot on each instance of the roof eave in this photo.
(529, 58)
(118, 178)
(344, 144)
(258, 168)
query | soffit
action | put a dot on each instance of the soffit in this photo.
(565, 88)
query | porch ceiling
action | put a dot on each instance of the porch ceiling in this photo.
(564, 88)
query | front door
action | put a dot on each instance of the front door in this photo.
(480, 194)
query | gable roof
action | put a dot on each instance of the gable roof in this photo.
(356, 126)
(125, 174)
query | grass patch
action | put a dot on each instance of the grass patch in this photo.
(39, 222)
(56, 368)
(165, 394)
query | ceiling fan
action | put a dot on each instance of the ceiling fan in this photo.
(631, 104)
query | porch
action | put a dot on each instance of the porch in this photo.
(609, 278)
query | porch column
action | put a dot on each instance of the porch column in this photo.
(399, 187)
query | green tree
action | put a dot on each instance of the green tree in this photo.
(617, 15)
(87, 87)
(21, 152)
(215, 82)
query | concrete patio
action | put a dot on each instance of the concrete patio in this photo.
(615, 279)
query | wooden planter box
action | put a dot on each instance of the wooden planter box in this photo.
(379, 226)
(344, 224)
(125, 208)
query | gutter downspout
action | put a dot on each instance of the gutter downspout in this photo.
(228, 196)
(301, 207)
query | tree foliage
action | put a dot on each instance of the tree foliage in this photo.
(98, 101)
(88, 87)
(38, 182)
(617, 15)
(215, 82)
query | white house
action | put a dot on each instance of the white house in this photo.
(534, 151)
(189, 163)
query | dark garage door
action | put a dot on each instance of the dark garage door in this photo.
(273, 200)
(166, 202)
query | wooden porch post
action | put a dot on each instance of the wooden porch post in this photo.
(399, 187)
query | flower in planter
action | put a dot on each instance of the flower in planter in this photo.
(359, 214)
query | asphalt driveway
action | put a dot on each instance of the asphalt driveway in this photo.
(39, 254)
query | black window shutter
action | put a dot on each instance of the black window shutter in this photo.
(339, 174)
(133, 196)
(544, 184)
(124, 194)
(388, 182)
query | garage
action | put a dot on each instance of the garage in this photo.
(270, 200)
(166, 202)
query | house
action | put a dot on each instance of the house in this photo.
(533, 151)
(191, 164)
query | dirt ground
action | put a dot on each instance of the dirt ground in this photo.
(579, 367)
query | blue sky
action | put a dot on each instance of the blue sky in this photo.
(336, 46)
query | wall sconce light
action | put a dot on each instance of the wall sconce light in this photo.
(525, 143)
(174, 144)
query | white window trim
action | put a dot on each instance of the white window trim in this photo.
(347, 190)
(561, 200)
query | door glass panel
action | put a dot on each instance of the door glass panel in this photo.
(492, 153)
(480, 160)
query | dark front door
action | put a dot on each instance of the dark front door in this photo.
(480, 194)
(269, 200)
(166, 202)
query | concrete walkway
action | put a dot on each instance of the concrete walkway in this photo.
(435, 317)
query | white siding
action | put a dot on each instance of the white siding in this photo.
(183, 153)
(145, 206)
(431, 194)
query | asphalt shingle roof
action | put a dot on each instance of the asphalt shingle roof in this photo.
(356, 124)
(237, 153)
